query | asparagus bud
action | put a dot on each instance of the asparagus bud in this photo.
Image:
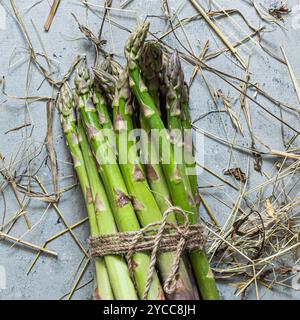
(174, 82)
(134, 44)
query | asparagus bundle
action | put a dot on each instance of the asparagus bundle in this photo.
(121, 193)
(178, 183)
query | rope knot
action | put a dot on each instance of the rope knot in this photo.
(156, 237)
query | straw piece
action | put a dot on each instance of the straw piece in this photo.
(292, 74)
(218, 32)
(51, 15)
(27, 244)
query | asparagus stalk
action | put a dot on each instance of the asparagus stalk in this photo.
(178, 118)
(155, 173)
(174, 84)
(152, 70)
(114, 184)
(101, 107)
(186, 126)
(176, 183)
(191, 166)
(119, 275)
(144, 200)
(67, 117)
(105, 89)
(174, 79)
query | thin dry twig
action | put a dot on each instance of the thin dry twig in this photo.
(292, 74)
(54, 238)
(234, 119)
(9, 177)
(63, 219)
(51, 15)
(15, 240)
(51, 148)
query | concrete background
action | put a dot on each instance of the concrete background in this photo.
(52, 278)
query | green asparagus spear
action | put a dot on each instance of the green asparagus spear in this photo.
(189, 156)
(174, 79)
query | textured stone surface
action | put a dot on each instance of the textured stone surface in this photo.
(52, 278)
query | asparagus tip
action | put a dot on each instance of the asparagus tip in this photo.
(151, 59)
(65, 100)
(135, 42)
(82, 78)
(174, 74)
(174, 81)
(185, 93)
(111, 66)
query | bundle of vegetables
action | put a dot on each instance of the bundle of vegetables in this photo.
(124, 187)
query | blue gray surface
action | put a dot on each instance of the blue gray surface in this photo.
(52, 278)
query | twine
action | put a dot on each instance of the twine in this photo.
(156, 237)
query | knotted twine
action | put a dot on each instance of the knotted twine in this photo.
(156, 237)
